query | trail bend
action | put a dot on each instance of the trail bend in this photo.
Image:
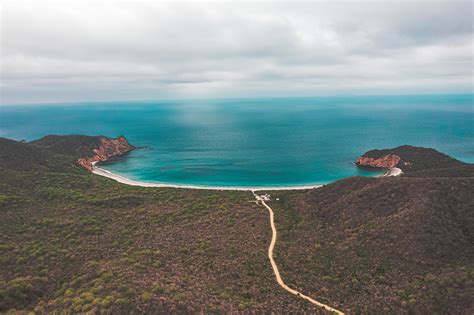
(280, 281)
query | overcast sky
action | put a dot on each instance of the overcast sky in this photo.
(66, 51)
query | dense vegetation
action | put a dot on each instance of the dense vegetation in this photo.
(393, 244)
(72, 241)
(76, 146)
(76, 242)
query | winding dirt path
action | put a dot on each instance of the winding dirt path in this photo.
(275, 267)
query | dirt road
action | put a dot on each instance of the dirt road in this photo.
(275, 267)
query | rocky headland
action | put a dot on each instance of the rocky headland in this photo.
(411, 159)
(108, 148)
(87, 150)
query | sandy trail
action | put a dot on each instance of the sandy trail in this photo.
(275, 267)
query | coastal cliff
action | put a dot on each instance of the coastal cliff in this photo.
(85, 150)
(107, 149)
(387, 161)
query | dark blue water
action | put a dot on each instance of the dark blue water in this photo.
(256, 142)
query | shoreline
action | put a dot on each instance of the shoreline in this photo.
(394, 171)
(121, 179)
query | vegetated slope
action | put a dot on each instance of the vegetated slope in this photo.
(20, 156)
(51, 153)
(73, 145)
(72, 241)
(395, 244)
(88, 150)
(75, 242)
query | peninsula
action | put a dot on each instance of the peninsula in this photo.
(72, 241)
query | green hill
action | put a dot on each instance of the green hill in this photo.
(375, 245)
(73, 145)
(72, 241)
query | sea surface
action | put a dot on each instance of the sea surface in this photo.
(255, 142)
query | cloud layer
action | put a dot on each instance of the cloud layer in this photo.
(73, 52)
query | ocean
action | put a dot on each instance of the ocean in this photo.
(255, 142)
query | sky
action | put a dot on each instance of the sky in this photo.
(66, 51)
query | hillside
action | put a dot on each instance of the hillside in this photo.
(21, 156)
(75, 242)
(73, 145)
(383, 244)
(72, 241)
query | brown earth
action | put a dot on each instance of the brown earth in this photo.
(107, 149)
(387, 161)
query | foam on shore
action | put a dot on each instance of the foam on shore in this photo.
(394, 171)
(124, 180)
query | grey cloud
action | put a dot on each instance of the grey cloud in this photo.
(145, 51)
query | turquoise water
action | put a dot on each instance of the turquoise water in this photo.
(255, 142)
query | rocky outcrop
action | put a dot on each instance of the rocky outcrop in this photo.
(387, 161)
(413, 159)
(107, 149)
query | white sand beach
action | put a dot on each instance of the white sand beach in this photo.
(394, 171)
(124, 180)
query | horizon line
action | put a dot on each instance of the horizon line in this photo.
(172, 99)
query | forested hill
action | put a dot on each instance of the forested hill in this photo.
(72, 241)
